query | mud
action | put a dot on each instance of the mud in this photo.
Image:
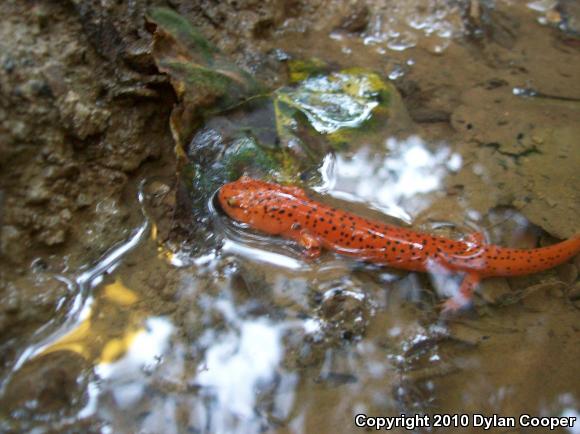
(107, 323)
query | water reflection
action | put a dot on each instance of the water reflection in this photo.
(143, 351)
(405, 25)
(396, 180)
(261, 255)
(238, 363)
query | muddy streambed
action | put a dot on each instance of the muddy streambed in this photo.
(131, 303)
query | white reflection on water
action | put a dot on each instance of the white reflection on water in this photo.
(145, 350)
(260, 255)
(570, 409)
(386, 182)
(239, 362)
(542, 5)
(241, 366)
(570, 412)
(402, 25)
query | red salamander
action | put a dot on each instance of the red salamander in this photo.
(288, 212)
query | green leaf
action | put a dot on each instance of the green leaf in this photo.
(205, 81)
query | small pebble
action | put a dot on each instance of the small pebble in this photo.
(156, 280)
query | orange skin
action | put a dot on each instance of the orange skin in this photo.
(287, 211)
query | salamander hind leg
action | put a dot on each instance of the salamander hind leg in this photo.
(463, 299)
(476, 239)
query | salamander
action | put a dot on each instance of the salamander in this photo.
(288, 212)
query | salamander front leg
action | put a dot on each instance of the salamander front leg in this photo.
(461, 300)
(311, 244)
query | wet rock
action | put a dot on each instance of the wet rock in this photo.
(52, 236)
(68, 170)
(35, 88)
(37, 192)
(426, 115)
(357, 18)
(51, 386)
(13, 242)
(80, 117)
(138, 56)
(526, 161)
(83, 200)
(570, 13)
(466, 334)
(19, 130)
(158, 188)
(495, 289)
(26, 305)
(344, 309)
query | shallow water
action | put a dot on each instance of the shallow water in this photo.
(251, 337)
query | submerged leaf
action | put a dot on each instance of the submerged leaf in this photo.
(299, 70)
(337, 105)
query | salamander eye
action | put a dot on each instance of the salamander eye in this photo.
(233, 202)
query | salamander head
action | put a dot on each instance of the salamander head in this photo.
(238, 198)
(263, 205)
